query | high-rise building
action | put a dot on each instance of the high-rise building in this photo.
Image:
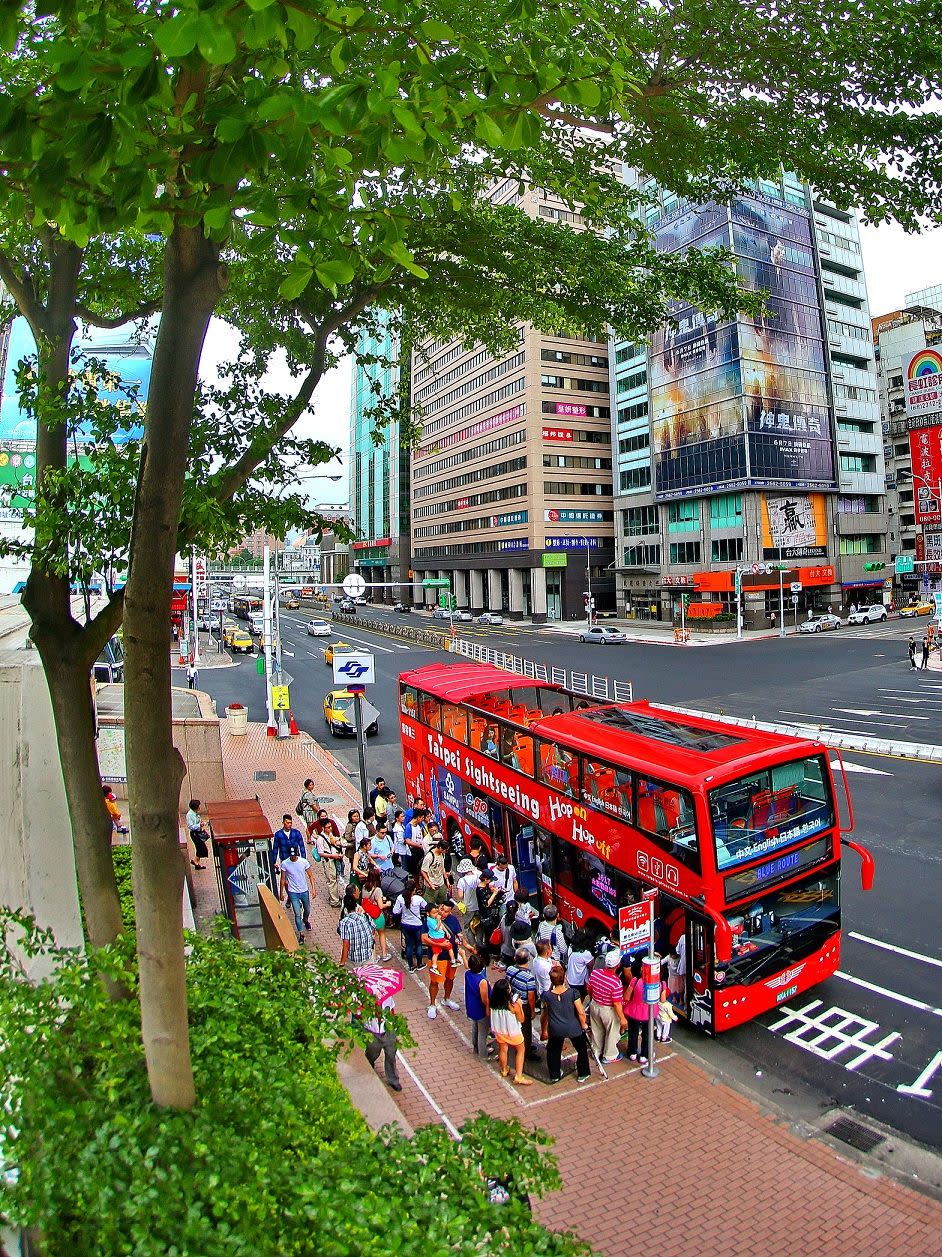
(379, 471)
(755, 442)
(913, 493)
(512, 485)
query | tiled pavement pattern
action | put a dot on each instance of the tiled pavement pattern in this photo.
(679, 1165)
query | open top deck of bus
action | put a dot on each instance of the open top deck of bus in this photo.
(686, 747)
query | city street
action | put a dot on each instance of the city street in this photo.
(868, 1038)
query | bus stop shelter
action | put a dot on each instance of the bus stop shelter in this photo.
(242, 839)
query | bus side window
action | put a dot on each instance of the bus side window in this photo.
(408, 703)
(520, 755)
(559, 769)
(607, 788)
(667, 812)
(455, 722)
(431, 712)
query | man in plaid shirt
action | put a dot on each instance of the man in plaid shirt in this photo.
(358, 938)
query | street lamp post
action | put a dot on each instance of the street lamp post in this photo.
(781, 602)
(588, 582)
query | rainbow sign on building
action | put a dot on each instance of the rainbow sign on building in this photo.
(922, 373)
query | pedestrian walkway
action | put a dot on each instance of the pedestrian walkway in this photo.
(709, 1171)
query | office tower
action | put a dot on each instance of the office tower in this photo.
(512, 484)
(754, 441)
(905, 341)
(379, 471)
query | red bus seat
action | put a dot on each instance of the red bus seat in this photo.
(478, 725)
(523, 754)
(762, 808)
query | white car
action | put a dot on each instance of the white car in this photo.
(874, 614)
(822, 624)
(465, 617)
(489, 617)
(439, 613)
(318, 628)
(603, 634)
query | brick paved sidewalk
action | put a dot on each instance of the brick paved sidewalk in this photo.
(681, 1165)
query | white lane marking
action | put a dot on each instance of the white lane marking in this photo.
(429, 1098)
(863, 711)
(922, 702)
(900, 951)
(859, 768)
(894, 995)
(386, 650)
(919, 1088)
(851, 720)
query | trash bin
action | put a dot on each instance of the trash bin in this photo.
(238, 717)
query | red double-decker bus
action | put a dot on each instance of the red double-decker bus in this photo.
(595, 803)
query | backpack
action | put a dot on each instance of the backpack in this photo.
(299, 809)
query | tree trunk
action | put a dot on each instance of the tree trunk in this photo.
(70, 691)
(155, 769)
(67, 649)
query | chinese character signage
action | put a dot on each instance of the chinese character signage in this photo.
(505, 521)
(922, 377)
(925, 447)
(515, 543)
(557, 434)
(575, 409)
(573, 543)
(933, 547)
(743, 403)
(794, 526)
(474, 429)
(572, 517)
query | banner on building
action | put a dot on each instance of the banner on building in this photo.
(925, 447)
(794, 526)
(922, 383)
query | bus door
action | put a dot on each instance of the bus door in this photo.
(522, 853)
(699, 985)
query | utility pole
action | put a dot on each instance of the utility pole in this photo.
(588, 582)
(738, 584)
(267, 638)
(283, 729)
(195, 652)
(781, 602)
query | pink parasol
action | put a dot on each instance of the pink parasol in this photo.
(381, 983)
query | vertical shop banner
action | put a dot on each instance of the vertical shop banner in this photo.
(794, 526)
(922, 375)
(925, 447)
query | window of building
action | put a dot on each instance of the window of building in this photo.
(629, 414)
(858, 462)
(638, 520)
(627, 352)
(683, 516)
(630, 444)
(685, 552)
(635, 380)
(860, 505)
(867, 543)
(574, 383)
(855, 426)
(582, 464)
(726, 510)
(726, 549)
(642, 556)
(633, 479)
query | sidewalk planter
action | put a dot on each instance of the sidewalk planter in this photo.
(237, 716)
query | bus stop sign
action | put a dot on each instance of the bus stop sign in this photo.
(634, 927)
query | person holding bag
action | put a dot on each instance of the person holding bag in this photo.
(376, 906)
(563, 1017)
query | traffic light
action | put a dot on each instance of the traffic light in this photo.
(874, 567)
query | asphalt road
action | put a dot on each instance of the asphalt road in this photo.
(874, 1028)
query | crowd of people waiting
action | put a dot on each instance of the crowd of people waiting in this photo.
(390, 868)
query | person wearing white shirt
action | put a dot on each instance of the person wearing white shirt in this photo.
(298, 880)
(505, 877)
(540, 968)
(409, 907)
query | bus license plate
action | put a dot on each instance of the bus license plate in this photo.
(786, 994)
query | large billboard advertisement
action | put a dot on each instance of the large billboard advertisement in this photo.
(126, 357)
(794, 526)
(744, 403)
(922, 377)
(925, 447)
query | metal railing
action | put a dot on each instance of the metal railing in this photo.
(604, 688)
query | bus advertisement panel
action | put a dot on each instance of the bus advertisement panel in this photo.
(597, 803)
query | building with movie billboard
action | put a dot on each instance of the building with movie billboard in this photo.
(754, 441)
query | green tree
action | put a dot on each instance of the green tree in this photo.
(296, 164)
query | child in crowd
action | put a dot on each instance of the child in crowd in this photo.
(666, 1015)
(507, 1024)
(542, 965)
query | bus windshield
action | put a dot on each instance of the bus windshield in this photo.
(782, 927)
(757, 815)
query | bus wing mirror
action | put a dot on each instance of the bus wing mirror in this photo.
(849, 827)
(867, 865)
(722, 934)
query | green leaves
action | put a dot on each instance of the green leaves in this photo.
(332, 273)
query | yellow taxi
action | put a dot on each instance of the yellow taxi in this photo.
(918, 608)
(228, 628)
(240, 642)
(336, 646)
(339, 714)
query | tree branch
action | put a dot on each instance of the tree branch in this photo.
(21, 288)
(145, 311)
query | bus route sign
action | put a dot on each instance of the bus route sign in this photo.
(634, 927)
